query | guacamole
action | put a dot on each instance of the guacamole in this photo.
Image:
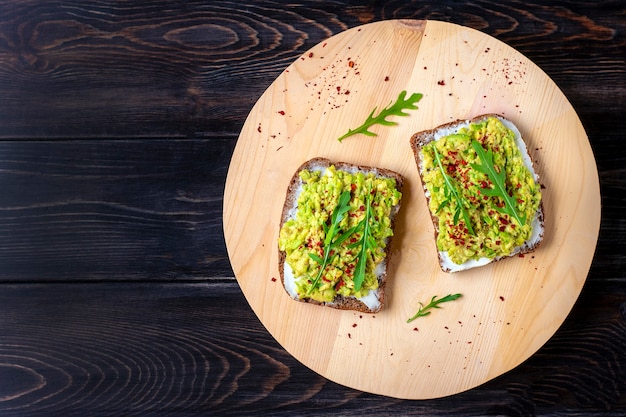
(304, 233)
(492, 232)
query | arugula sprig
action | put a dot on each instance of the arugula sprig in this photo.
(451, 192)
(365, 242)
(395, 109)
(498, 179)
(434, 303)
(332, 239)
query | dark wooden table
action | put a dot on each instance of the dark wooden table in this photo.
(117, 124)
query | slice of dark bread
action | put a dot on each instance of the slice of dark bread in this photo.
(375, 300)
(420, 139)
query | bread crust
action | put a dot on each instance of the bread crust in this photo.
(420, 139)
(290, 205)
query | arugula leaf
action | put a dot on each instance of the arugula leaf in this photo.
(395, 109)
(366, 242)
(498, 179)
(331, 239)
(337, 216)
(434, 303)
(451, 192)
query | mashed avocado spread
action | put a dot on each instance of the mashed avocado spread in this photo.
(305, 232)
(495, 232)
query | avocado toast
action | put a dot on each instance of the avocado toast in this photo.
(335, 234)
(482, 191)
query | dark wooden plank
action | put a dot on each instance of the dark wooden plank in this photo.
(149, 68)
(189, 349)
(113, 210)
(144, 68)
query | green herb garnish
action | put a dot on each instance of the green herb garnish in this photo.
(395, 109)
(332, 238)
(365, 242)
(498, 179)
(434, 303)
(451, 192)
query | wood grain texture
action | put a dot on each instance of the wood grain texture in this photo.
(113, 210)
(126, 304)
(181, 349)
(158, 69)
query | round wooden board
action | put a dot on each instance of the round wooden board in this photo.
(508, 309)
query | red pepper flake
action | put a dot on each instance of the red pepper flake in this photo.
(441, 82)
(354, 325)
(387, 78)
(347, 92)
(310, 54)
(351, 64)
(281, 112)
(273, 279)
(258, 129)
(324, 46)
(521, 255)
(349, 336)
(415, 329)
(501, 298)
